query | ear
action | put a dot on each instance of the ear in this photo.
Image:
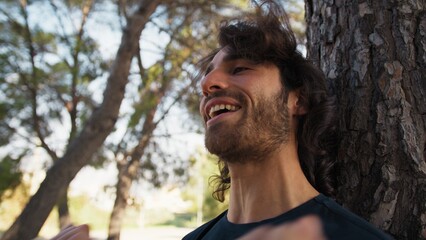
(296, 103)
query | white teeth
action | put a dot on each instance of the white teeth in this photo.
(216, 108)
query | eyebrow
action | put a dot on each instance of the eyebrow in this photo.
(228, 58)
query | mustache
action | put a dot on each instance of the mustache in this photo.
(227, 93)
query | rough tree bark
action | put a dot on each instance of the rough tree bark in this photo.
(97, 128)
(373, 54)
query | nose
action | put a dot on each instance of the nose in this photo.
(214, 81)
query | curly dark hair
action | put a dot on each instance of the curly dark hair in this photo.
(266, 36)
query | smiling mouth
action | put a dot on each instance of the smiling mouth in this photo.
(218, 109)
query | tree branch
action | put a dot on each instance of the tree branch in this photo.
(97, 128)
(32, 84)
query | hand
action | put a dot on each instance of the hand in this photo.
(304, 228)
(73, 233)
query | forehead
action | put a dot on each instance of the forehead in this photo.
(226, 55)
(222, 56)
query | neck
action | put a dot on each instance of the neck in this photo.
(262, 190)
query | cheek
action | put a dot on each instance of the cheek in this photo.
(276, 85)
(270, 84)
(268, 89)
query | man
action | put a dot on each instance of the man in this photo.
(270, 120)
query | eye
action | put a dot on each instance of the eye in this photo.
(237, 70)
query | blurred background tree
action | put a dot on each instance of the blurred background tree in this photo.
(79, 149)
(46, 71)
(52, 74)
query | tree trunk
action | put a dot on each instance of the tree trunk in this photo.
(373, 54)
(127, 172)
(97, 128)
(122, 194)
(63, 210)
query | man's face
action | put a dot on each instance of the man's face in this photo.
(243, 108)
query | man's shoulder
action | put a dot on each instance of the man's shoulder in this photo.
(340, 222)
(203, 229)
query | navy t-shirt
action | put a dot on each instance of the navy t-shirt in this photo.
(338, 223)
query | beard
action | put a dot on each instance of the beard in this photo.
(256, 135)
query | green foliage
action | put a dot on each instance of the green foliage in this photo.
(10, 176)
(148, 95)
(203, 168)
(211, 207)
(83, 210)
(184, 220)
(5, 131)
(44, 42)
(48, 59)
(12, 205)
(46, 68)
